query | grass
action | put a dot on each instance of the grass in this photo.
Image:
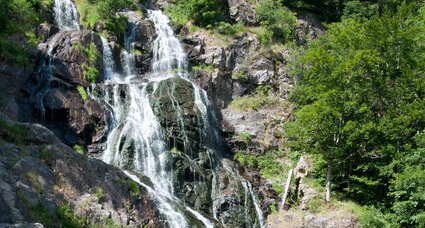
(18, 130)
(203, 67)
(133, 187)
(246, 137)
(99, 194)
(88, 13)
(91, 53)
(83, 93)
(263, 98)
(267, 163)
(32, 177)
(79, 149)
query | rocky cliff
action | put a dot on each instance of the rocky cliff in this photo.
(43, 180)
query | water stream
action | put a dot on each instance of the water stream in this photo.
(66, 15)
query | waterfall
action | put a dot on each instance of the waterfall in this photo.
(66, 15)
(136, 139)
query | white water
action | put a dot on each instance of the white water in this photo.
(134, 122)
(66, 15)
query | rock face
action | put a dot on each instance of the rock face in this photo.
(51, 91)
(42, 180)
(242, 11)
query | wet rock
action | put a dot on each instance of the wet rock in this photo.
(242, 11)
(51, 93)
(46, 30)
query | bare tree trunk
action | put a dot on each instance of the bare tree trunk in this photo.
(328, 182)
(287, 186)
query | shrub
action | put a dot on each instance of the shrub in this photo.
(13, 53)
(277, 19)
(133, 187)
(225, 28)
(203, 13)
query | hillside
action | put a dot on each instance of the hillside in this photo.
(221, 113)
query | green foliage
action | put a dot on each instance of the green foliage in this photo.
(261, 99)
(272, 208)
(106, 8)
(88, 12)
(133, 187)
(89, 70)
(99, 194)
(333, 10)
(67, 218)
(360, 100)
(32, 177)
(203, 67)
(278, 20)
(267, 164)
(82, 92)
(408, 185)
(79, 149)
(370, 216)
(203, 13)
(245, 136)
(44, 154)
(13, 53)
(315, 205)
(225, 28)
(18, 130)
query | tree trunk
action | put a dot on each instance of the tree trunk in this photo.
(328, 182)
(287, 186)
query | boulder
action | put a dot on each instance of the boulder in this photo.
(241, 11)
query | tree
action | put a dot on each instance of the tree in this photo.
(360, 100)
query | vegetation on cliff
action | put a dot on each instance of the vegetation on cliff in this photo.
(361, 107)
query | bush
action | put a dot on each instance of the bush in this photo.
(225, 28)
(203, 13)
(267, 164)
(277, 19)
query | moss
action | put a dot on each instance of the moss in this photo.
(44, 154)
(133, 187)
(82, 92)
(79, 149)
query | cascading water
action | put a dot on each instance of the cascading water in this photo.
(66, 15)
(137, 139)
(66, 18)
